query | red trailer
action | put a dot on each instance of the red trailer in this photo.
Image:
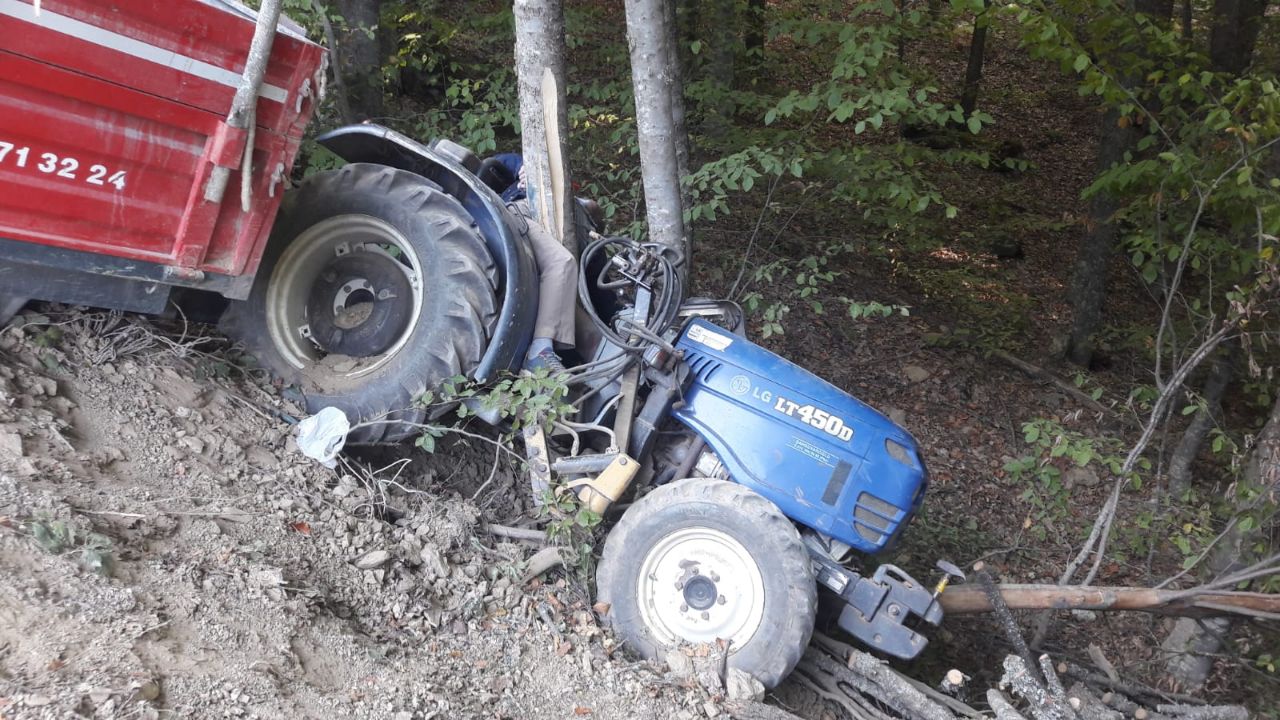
(127, 131)
(121, 168)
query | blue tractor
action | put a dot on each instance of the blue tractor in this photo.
(751, 483)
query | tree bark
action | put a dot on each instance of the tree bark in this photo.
(679, 124)
(756, 31)
(1192, 641)
(970, 598)
(540, 69)
(1193, 437)
(1187, 18)
(360, 57)
(720, 68)
(1088, 290)
(1234, 34)
(977, 54)
(1089, 282)
(652, 75)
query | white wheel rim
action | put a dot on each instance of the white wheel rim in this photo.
(676, 575)
(304, 258)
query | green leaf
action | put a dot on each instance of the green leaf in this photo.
(974, 124)
(695, 47)
(1082, 62)
(426, 442)
(951, 211)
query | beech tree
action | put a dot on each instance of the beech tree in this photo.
(1118, 133)
(359, 58)
(544, 118)
(652, 75)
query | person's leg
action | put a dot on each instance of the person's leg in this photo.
(558, 288)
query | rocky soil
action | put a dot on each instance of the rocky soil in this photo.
(165, 551)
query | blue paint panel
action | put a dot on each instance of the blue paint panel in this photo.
(738, 401)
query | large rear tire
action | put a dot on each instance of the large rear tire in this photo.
(701, 559)
(375, 287)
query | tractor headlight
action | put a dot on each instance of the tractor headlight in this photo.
(899, 452)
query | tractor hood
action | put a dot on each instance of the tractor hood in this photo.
(827, 459)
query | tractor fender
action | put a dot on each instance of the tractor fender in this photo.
(517, 270)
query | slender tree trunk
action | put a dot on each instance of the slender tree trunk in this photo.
(360, 57)
(756, 31)
(977, 53)
(1192, 641)
(1234, 34)
(679, 125)
(652, 75)
(540, 67)
(1088, 291)
(1193, 437)
(720, 65)
(1187, 18)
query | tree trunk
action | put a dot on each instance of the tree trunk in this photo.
(540, 68)
(679, 124)
(720, 66)
(652, 76)
(1234, 34)
(977, 53)
(360, 57)
(1191, 641)
(1093, 259)
(1089, 282)
(1187, 18)
(756, 30)
(1193, 437)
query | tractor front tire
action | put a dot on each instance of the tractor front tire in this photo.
(374, 288)
(699, 560)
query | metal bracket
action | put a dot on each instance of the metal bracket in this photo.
(878, 608)
(600, 492)
(535, 452)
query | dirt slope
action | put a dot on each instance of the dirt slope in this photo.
(239, 579)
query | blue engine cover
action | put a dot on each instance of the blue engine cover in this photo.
(826, 459)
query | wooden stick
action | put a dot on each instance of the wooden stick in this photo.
(968, 599)
(1066, 387)
(515, 533)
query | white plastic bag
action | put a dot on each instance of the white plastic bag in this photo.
(321, 436)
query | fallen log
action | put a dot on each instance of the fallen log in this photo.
(968, 599)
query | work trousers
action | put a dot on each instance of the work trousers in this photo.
(557, 279)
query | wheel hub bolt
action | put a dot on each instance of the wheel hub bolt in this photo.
(721, 600)
(706, 615)
(679, 585)
(715, 577)
(684, 607)
(694, 570)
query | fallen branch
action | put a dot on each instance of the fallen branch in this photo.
(515, 533)
(542, 561)
(1066, 387)
(966, 599)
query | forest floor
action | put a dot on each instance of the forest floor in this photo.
(165, 551)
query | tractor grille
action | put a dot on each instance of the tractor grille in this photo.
(875, 518)
(703, 366)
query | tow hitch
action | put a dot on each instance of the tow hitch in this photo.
(878, 609)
